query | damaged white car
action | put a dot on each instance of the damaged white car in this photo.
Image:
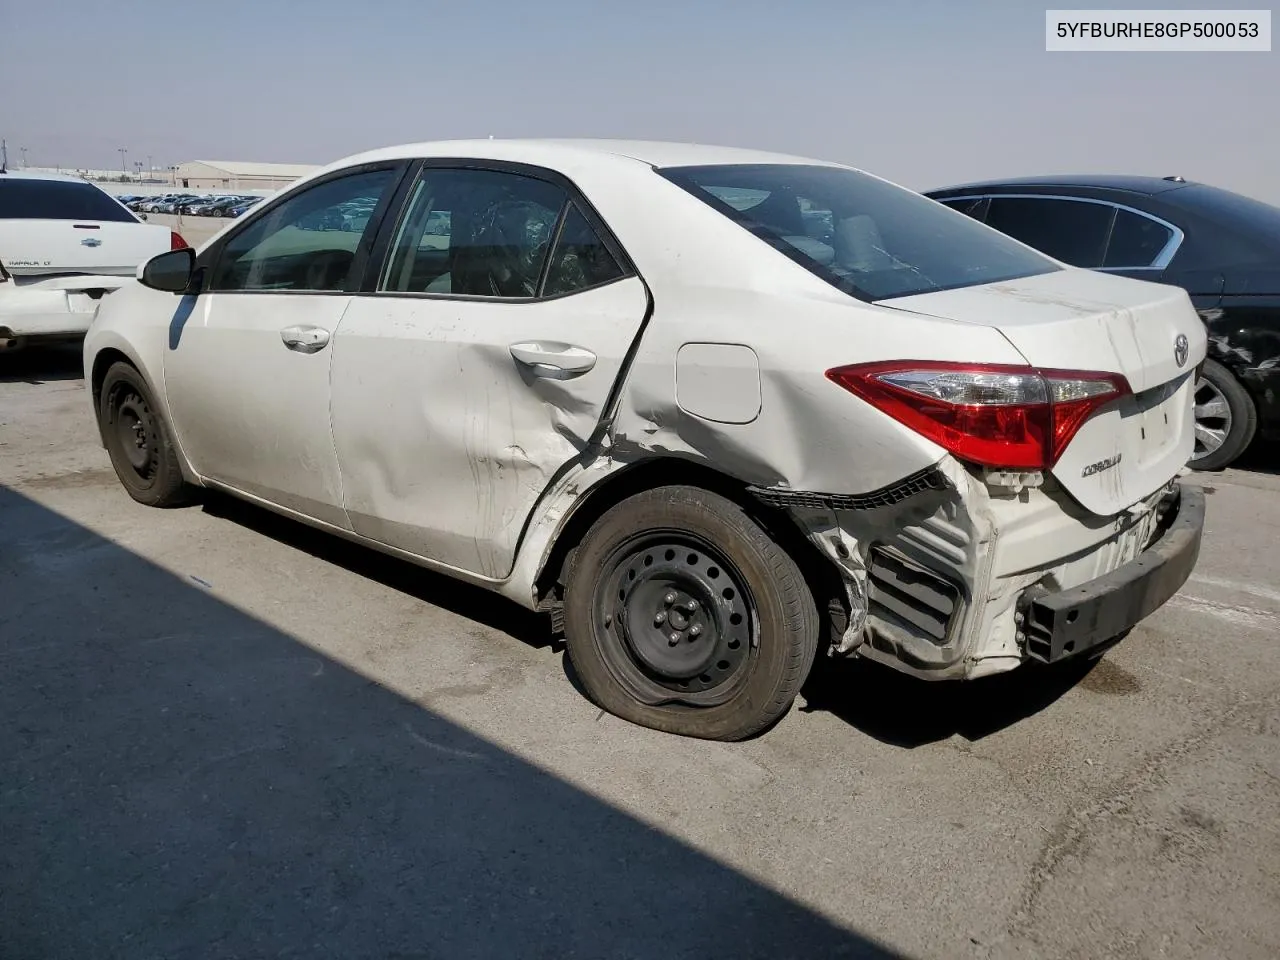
(714, 410)
(64, 244)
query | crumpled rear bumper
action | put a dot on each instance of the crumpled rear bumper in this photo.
(1069, 622)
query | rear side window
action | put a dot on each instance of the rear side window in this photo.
(579, 260)
(1136, 240)
(23, 199)
(869, 238)
(1069, 230)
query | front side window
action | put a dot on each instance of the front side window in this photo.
(1072, 231)
(29, 199)
(869, 238)
(308, 242)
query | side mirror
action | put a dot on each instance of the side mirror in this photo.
(170, 272)
(142, 216)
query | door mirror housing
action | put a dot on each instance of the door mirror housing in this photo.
(170, 272)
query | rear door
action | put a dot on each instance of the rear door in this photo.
(479, 361)
(68, 226)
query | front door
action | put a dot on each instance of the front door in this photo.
(481, 365)
(248, 371)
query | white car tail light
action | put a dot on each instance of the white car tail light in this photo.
(989, 414)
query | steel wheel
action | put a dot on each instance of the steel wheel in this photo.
(675, 620)
(1213, 419)
(134, 430)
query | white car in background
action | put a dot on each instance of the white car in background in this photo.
(64, 244)
(714, 410)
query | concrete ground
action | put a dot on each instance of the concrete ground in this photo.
(223, 735)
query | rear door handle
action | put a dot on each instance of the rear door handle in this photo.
(559, 361)
(305, 339)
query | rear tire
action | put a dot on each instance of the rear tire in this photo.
(1226, 418)
(138, 440)
(682, 615)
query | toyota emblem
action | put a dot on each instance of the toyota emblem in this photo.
(1181, 347)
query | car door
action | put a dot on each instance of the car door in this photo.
(1073, 230)
(479, 362)
(247, 371)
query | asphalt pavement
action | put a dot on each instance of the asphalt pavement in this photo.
(225, 735)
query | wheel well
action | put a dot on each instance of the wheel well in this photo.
(819, 573)
(101, 364)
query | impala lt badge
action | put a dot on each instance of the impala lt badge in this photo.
(1181, 347)
(1110, 462)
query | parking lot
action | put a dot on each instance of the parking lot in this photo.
(228, 735)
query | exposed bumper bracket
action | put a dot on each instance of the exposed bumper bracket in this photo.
(1069, 622)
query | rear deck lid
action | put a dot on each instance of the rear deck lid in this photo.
(1085, 320)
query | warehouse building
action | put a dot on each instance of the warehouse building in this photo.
(225, 174)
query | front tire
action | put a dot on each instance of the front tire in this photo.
(138, 440)
(1225, 418)
(682, 615)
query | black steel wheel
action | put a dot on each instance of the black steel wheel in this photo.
(137, 440)
(683, 615)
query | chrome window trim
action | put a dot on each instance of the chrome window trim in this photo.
(1162, 259)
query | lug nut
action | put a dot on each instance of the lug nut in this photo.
(695, 630)
(660, 619)
(675, 638)
(669, 599)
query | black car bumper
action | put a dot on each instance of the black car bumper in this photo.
(1070, 622)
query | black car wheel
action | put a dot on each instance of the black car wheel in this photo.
(681, 614)
(138, 440)
(1225, 418)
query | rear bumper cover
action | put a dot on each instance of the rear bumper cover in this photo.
(1064, 624)
(60, 306)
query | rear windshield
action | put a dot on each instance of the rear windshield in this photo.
(1231, 211)
(870, 239)
(23, 199)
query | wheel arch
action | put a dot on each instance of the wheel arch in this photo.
(821, 576)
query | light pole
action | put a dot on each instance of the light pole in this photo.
(124, 171)
(150, 168)
(23, 151)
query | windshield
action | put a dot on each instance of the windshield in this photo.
(867, 237)
(24, 199)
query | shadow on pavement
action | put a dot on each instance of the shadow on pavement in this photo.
(178, 779)
(906, 712)
(42, 364)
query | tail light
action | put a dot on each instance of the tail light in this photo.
(176, 242)
(989, 414)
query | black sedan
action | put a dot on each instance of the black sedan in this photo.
(1221, 247)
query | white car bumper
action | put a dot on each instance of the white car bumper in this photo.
(53, 307)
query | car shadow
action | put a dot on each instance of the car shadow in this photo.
(902, 711)
(434, 588)
(42, 363)
(180, 779)
(1263, 456)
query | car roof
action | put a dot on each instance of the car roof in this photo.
(41, 175)
(1147, 186)
(653, 153)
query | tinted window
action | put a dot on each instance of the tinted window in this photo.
(579, 260)
(867, 237)
(308, 242)
(975, 207)
(1136, 240)
(23, 199)
(1072, 231)
(474, 233)
(1243, 215)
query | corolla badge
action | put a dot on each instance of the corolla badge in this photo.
(1101, 465)
(91, 242)
(1181, 348)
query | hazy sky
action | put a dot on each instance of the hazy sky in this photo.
(925, 93)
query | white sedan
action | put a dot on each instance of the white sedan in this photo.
(64, 244)
(714, 410)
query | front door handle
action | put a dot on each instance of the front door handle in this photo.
(305, 339)
(559, 361)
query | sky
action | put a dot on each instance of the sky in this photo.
(922, 92)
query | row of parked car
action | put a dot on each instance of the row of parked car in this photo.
(190, 204)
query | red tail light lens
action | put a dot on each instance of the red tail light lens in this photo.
(990, 414)
(176, 242)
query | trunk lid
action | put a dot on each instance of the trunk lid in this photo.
(1084, 320)
(114, 248)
